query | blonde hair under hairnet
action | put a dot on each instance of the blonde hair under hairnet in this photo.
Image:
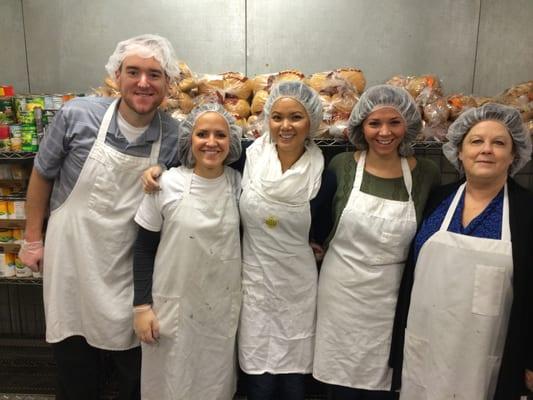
(185, 155)
(303, 94)
(507, 116)
(145, 46)
(385, 96)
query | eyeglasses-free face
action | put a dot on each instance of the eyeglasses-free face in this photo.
(487, 151)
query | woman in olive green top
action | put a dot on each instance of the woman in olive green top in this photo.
(381, 192)
(425, 175)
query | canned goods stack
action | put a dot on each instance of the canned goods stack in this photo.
(12, 204)
(29, 112)
(11, 266)
(24, 117)
(15, 172)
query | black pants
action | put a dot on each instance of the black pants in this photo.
(275, 387)
(346, 393)
(80, 370)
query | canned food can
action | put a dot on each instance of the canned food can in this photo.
(3, 209)
(15, 131)
(27, 137)
(6, 235)
(18, 172)
(35, 143)
(48, 102)
(5, 145)
(57, 101)
(7, 269)
(17, 234)
(26, 118)
(18, 209)
(20, 104)
(6, 108)
(10, 207)
(16, 144)
(21, 270)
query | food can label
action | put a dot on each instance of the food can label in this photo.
(3, 209)
(7, 269)
(6, 236)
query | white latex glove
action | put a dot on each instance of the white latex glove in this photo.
(145, 324)
(31, 254)
(149, 179)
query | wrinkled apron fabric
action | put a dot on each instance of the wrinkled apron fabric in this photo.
(460, 306)
(358, 287)
(197, 298)
(88, 259)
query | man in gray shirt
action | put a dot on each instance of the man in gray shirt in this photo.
(87, 172)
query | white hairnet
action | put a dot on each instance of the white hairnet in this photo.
(507, 116)
(385, 96)
(145, 46)
(185, 155)
(303, 94)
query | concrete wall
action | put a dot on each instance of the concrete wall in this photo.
(475, 46)
(13, 66)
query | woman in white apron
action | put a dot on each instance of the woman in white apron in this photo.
(381, 191)
(469, 328)
(187, 266)
(281, 176)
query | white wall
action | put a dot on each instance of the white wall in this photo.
(475, 46)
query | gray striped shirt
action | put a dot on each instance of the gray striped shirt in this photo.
(72, 133)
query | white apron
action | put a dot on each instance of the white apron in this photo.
(277, 328)
(358, 287)
(460, 306)
(197, 298)
(88, 259)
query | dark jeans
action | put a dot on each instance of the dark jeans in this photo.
(80, 370)
(346, 393)
(275, 387)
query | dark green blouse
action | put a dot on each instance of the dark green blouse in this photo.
(426, 175)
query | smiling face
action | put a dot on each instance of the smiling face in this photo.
(210, 144)
(384, 130)
(289, 125)
(143, 85)
(487, 152)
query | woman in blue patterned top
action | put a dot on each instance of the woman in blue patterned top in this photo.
(463, 325)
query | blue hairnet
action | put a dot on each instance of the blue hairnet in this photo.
(145, 46)
(185, 155)
(385, 96)
(507, 116)
(303, 94)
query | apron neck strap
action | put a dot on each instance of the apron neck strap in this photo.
(359, 169)
(106, 121)
(506, 230)
(156, 146)
(407, 178)
(506, 226)
(406, 173)
(104, 125)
